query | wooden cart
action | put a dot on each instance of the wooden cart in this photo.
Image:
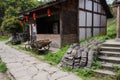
(37, 45)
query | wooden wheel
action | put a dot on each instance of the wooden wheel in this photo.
(47, 47)
(27, 46)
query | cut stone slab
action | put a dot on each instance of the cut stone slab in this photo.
(58, 75)
(111, 48)
(110, 58)
(111, 42)
(106, 72)
(109, 52)
(3, 76)
(111, 65)
(41, 76)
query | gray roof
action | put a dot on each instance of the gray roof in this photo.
(103, 3)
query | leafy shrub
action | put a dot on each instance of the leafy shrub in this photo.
(11, 25)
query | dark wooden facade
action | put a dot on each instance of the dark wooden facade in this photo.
(74, 20)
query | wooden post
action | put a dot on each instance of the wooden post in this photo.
(92, 28)
(118, 23)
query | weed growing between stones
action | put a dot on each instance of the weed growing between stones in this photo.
(3, 67)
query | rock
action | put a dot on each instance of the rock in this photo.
(90, 58)
(81, 55)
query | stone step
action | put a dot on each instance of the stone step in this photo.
(111, 54)
(104, 72)
(113, 49)
(111, 44)
(110, 59)
(109, 66)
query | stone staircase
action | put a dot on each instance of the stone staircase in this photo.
(109, 57)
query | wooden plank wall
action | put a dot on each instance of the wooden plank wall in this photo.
(69, 31)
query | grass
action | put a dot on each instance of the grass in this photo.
(3, 67)
(4, 38)
(56, 57)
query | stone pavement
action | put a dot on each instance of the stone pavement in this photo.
(22, 66)
(3, 76)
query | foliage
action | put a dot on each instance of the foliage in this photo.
(96, 65)
(4, 38)
(10, 12)
(11, 25)
(11, 8)
(55, 58)
(28, 4)
(117, 69)
(3, 67)
(118, 74)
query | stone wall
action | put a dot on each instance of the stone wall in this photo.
(55, 38)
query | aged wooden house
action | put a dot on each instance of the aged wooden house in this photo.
(68, 21)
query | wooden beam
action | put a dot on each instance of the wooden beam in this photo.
(118, 22)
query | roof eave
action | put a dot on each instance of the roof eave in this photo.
(42, 6)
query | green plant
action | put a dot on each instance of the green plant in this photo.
(118, 75)
(11, 25)
(55, 58)
(116, 68)
(3, 67)
(3, 38)
(82, 73)
(96, 65)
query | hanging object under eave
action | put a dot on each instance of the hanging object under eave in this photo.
(24, 21)
(21, 22)
(34, 16)
(27, 18)
(49, 12)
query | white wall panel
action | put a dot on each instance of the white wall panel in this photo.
(99, 8)
(96, 31)
(103, 20)
(102, 11)
(81, 33)
(89, 5)
(88, 32)
(96, 20)
(81, 3)
(95, 7)
(82, 17)
(89, 19)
